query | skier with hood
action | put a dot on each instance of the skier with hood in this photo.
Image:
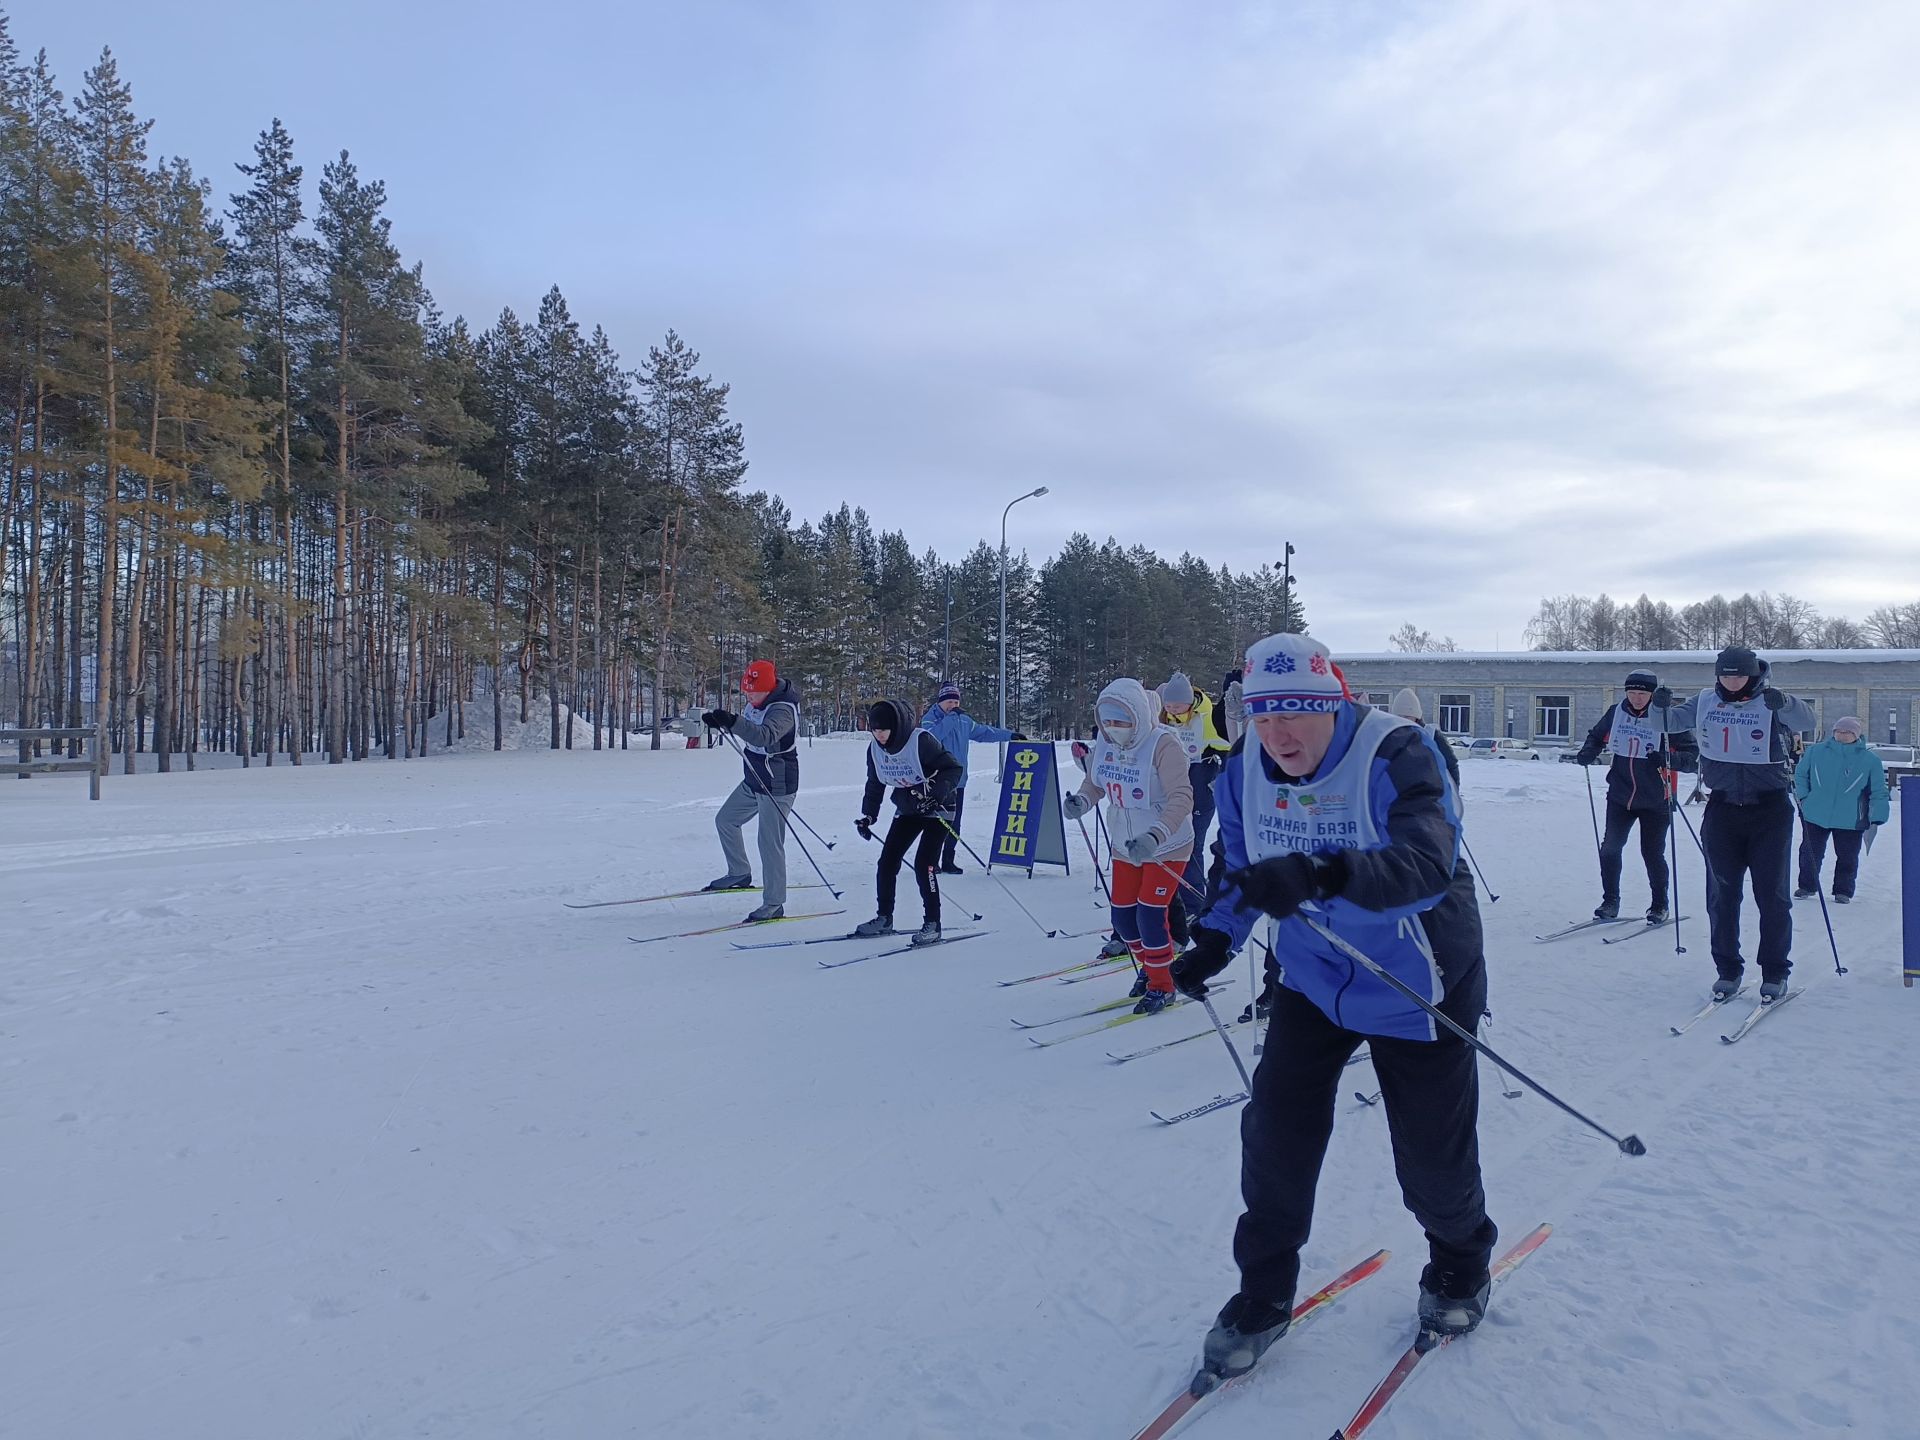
(1341, 814)
(924, 779)
(1640, 790)
(766, 728)
(1745, 729)
(1138, 766)
(1406, 704)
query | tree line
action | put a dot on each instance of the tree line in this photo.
(1764, 621)
(262, 496)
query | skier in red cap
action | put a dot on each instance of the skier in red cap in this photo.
(766, 728)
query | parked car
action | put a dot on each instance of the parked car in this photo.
(1900, 760)
(1502, 748)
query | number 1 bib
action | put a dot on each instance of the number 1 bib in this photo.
(1736, 733)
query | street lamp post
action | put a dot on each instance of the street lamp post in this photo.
(1003, 596)
(1286, 582)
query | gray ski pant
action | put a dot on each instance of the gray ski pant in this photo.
(741, 806)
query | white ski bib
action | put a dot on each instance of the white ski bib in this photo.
(1633, 737)
(1734, 733)
(758, 715)
(1331, 812)
(900, 769)
(1126, 775)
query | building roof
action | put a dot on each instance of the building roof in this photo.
(1628, 657)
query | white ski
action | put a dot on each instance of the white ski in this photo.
(1704, 1011)
(1758, 1013)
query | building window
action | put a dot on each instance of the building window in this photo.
(1379, 699)
(1456, 714)
(1552, 717)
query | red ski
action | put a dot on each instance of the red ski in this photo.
(1206, 1383)
(1427, 1342)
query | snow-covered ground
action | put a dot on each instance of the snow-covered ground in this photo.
(320, 1116)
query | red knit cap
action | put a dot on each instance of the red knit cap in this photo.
(759, 676)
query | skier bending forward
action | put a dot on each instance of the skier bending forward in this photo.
(1340, 815)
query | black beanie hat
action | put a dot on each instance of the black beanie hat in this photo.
(1736, 660)
(891, 716)
(1643, 680)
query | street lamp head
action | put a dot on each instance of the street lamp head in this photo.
(1041, 491)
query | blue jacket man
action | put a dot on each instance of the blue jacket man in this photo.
(956, 731)
(1334, 811)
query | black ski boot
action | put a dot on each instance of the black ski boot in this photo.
(730, 882)
(1725, 989)
(1607, 910)
(1261, 1007)
(928, 933)
(1139, 986)
(1152, 1002)
(1657, 913)
(879, 925)
(1772, 990)
(947, 867)
(764, 913)
(1804, 893)
(1452, 1302)
(1242, 1334)
(1113, 949)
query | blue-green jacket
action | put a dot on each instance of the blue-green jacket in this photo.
(1842, 787)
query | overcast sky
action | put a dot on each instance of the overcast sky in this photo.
(1472, 302)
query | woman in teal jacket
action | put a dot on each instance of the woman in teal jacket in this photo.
(1842, 789)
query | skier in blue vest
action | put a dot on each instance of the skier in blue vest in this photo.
(1339, 813)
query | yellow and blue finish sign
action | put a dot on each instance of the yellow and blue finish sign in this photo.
(1029, 828)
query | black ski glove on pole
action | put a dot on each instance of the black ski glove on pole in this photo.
(865, 826)
(1210, 953)
(1773, 699)
(719, 719)
(1281, 885)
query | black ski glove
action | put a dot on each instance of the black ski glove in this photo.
(1210, 953)
(1281, 885)
(1018, 736)
(1773, 699)
(719, 719)
(865, 826)
(1662, 698)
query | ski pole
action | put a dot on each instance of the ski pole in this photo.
(1673, 885)
(1098, 874)
(1507, 1091)
(739, 750)
(1827, 915)
(1696, 837)
(1227, 1040)
(987, 870)
(1587, 770)
(1492, 899)
(1631, 1145)
(787, 832)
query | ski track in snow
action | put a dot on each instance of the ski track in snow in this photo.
(323, 1118)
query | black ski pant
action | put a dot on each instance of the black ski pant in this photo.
(1813, 855)
(1654, 825)
(1749, 840)
(1431, 1091)
(901, 835)
(948, 842)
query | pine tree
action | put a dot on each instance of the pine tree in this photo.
(112, 147)
(271, 271)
